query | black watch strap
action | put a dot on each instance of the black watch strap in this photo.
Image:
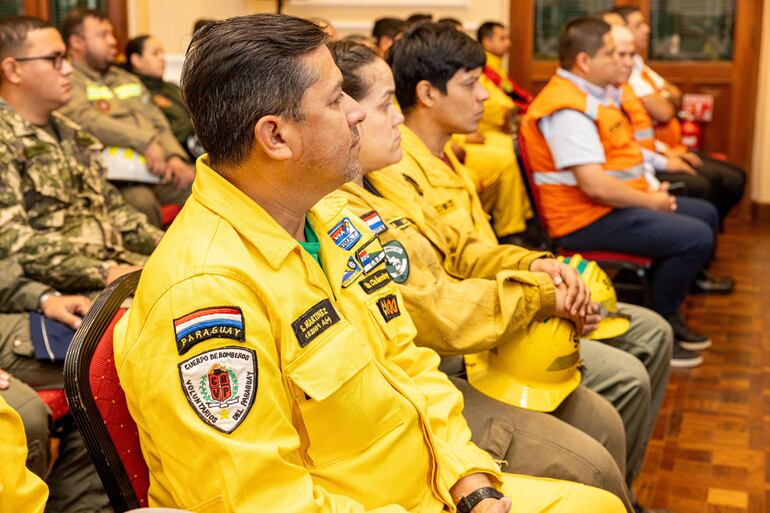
(468, 502)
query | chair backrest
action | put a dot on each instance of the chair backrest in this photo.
(533, 193)
(98, 404)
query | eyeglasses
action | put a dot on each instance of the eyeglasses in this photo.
(56, 59)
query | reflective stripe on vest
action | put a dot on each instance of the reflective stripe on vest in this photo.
(96, 92)
(124, 91)
(568, 177)
(645, 133)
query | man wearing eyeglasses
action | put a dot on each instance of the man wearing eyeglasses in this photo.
(116, 107)
(64, 223)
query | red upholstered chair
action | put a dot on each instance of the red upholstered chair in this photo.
(608, 260)
(56, 401)
(98, 404)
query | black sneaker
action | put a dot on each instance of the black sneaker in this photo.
(684, 359)
(709, 283)
(687, 338)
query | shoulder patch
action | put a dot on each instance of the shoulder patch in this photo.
(351, 272)
(220, 385)
(397, 261)
(344, 234)
(375, 281)
(319, 318)
(375, 223)
(388, 306)
(208, 323)
(371, 255)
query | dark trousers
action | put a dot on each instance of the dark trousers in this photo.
(718, 182)
(681, 243)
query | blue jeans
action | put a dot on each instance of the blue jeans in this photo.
(681, 243)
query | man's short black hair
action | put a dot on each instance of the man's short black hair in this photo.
(350, 57)
(387, 27)
(434, 53)
(486, 30)
(626, 11)
(420, 17)
(584, 34)
(241, 69)
(14, 31)
(452, 22)
(73, 21)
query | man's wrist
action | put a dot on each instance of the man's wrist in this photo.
(467, 503)
(45, 296)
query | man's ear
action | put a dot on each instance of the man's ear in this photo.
(425, 93)
(9, 70)
(583, 62)
(134, 58)
(273, 134)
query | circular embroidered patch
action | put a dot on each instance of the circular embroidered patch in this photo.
(396, 261)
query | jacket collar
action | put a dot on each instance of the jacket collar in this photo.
(435, 169)
(250, 220)
(23, 128)
(496, 63)
(89, 73)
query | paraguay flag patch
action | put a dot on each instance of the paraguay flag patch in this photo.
(375, 223)
(208, 323)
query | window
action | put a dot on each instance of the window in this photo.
(11, 8)
(58, 9)
(699, 30)
(552, 15)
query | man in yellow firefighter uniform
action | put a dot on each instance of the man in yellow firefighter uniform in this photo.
(261, 373)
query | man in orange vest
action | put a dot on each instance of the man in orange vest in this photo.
(662, 100)
(591, 175)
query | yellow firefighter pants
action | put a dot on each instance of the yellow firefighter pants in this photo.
(531, 495)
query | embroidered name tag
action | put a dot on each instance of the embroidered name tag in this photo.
(220, 385)
(344, 234)
(319, 318)
(371, 255)
(208, 323)
(375, 281)
(388, 306)
(375, 223)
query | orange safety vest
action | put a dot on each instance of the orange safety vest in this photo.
(641, 122)
(565, 207)
(669, 132)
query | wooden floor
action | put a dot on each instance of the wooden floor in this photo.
(710, 451)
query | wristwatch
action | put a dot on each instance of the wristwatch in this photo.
(468, 502)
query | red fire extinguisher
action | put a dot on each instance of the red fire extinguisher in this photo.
(692, 133)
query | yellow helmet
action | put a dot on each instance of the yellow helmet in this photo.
(535, 370)
(599, 284)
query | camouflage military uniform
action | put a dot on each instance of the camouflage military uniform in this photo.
(62, 221)
(117, 108)
(73, 482)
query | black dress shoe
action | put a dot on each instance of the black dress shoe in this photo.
(687, 338)
(709, 283)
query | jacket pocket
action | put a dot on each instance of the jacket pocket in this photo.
(348, 403)
(214, 505)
